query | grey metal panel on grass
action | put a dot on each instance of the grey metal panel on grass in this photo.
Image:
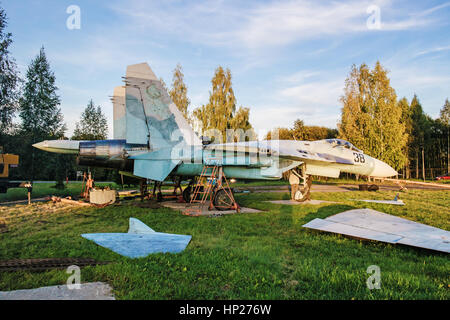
(374, 225)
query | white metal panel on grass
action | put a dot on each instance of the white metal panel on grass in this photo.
(378, 226)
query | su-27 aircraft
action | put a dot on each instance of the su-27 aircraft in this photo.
(153, 141)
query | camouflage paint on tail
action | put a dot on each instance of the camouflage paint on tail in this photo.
(150, 113)
(153, 119)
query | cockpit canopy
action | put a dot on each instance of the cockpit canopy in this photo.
(340, 142)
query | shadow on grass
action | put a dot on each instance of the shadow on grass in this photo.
(326, 211)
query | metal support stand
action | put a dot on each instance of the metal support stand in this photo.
(212, 185)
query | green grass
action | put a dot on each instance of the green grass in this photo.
(47, 189)
(265, 255)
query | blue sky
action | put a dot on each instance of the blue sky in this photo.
(289, 59)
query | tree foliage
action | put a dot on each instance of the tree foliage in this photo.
(178, 93)
(39, 104)
(300, 131)
(41, 116)
(371, 116)
(9, 78)
(444, 119)
(444, 114)
(220, 113)
(93, 124)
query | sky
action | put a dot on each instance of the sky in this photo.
(288, 59)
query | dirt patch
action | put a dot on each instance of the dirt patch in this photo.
(3, 226)
(7, 213)
(149, 204)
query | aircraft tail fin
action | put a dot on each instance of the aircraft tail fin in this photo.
(150, 115)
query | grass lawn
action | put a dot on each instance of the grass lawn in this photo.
(45, 189)
(265, 255)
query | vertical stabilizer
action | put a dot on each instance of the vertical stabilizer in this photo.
(151, 116)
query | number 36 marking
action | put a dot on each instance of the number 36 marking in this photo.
(359, 157)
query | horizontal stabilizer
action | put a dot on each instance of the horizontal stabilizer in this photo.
(156, 165)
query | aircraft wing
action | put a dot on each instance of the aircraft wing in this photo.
(283, 152)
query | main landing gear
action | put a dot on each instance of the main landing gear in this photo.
(300, 192)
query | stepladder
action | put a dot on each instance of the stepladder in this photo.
(212, 187)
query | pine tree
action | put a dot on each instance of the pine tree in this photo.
(178, 93)
(404, 105)
(9, 79)
(420, 132)
(444, 114)
(444, 117)
(371, 117)
(41, 116)
(93, 124)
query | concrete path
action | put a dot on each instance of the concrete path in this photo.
(314, 188)
(339, 188)
(87, 291)
(293, 202)
(204, 212)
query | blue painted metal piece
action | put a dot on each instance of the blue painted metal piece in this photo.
(156, 165)
(140, 241)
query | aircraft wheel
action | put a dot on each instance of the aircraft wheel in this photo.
(302, 196)
(305, 194)
(159, 197)
(221, 201)
(187, 194)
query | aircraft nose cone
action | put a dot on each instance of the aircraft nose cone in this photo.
(382, 170)
(41, 145)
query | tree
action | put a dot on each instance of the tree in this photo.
(421, 124)
(444, 117)
(280, 134)
(371, 117)
(300, 131)
(9, 79)
(242, 129)
(319, 133)
(178, 93)
(93, 124)
(41, 116)
(220, 112)
(404, 105)
(444, 114)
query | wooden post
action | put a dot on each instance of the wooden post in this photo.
(423, 166)
(29, 187)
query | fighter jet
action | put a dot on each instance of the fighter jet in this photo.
(153, 141)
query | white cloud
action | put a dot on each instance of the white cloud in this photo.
(314, 94)
(309, 95)
(256, 25)
(433, 50)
